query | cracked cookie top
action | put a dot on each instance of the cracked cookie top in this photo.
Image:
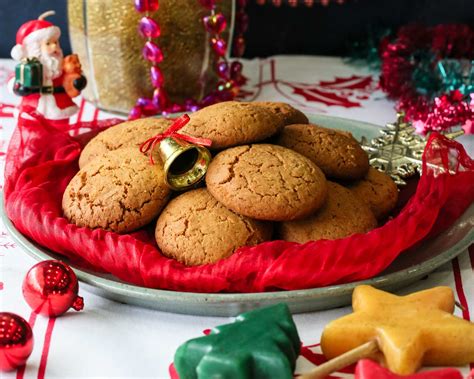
(378, 191)
(266, 182)
(194, 228)
(119, 191)
(343, 214)
(232, 123)
(288, 114)
(126, 134)
(337, 154)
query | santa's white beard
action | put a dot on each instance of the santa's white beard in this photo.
(52, 65)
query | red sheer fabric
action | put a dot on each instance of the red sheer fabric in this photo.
(42, 160)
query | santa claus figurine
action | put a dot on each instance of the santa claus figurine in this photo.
(44, 78)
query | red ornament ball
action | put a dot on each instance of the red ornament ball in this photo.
(16, 341)
(50, 289)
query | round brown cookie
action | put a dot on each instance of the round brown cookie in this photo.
(266, 182)
(338, 155)
(343, 214)
(343, 132)
(126, 134)
(232, 123)
(379, 192)
(195, 229)
(119, 191)
(286, 112)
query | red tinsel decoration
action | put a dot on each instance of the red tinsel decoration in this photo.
(453, 41)
(449, 110)
(399, 59)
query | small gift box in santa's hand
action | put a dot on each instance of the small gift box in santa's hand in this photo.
(28, 77)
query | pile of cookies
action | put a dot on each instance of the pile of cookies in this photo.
(273, 176)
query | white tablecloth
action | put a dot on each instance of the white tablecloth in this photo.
(113, 340)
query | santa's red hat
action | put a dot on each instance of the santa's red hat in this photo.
(33, 31)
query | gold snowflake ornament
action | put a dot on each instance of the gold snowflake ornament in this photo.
(398, 150)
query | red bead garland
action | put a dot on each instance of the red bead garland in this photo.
(230, 74)
(149, 29)
(143, 6)
(295, 3)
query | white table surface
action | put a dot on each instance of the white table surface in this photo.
(112, 340)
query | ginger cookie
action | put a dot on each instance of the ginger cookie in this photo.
(120, 191)
(338, 155)
(232, 123)
(343, 214)
(288, 114)
(379, 192)
(266, 182)
(194, 228)
(126, 134)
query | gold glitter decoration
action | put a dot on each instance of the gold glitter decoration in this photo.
(104, 33)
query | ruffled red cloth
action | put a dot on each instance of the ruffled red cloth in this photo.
(42, 160)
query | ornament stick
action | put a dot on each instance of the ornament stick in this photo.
(42, 16)
(363, 351)
(459, 305)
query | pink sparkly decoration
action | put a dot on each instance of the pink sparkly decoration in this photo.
(146, 105)
(450, 110)
(191, 105)
(152, 52)
(160, 99)
(215, 23)
(419, 126)
(223, 69)
(143, 6)
(429, 110)
(241, 22)
(156, 77)
(468, 127)
(209, 99)
(235, 69)
(135, 113)
(148, 28)
(219, 46)
(224, 85)
(175, 108)
(239, 46)
(209, 4)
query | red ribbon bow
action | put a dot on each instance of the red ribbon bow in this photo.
(172, 131)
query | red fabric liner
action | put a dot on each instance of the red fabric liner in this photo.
(42, 160)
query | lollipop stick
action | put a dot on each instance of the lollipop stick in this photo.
(363, 351)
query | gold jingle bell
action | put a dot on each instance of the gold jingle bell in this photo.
(185, 164)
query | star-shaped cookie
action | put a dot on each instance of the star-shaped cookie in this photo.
(411, 331)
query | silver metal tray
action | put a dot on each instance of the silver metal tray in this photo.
(408, 268)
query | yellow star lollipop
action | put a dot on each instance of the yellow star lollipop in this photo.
(410, 331)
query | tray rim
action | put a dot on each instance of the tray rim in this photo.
(114, 287)
(421, 269)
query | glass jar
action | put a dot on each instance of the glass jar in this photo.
(104, 33)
